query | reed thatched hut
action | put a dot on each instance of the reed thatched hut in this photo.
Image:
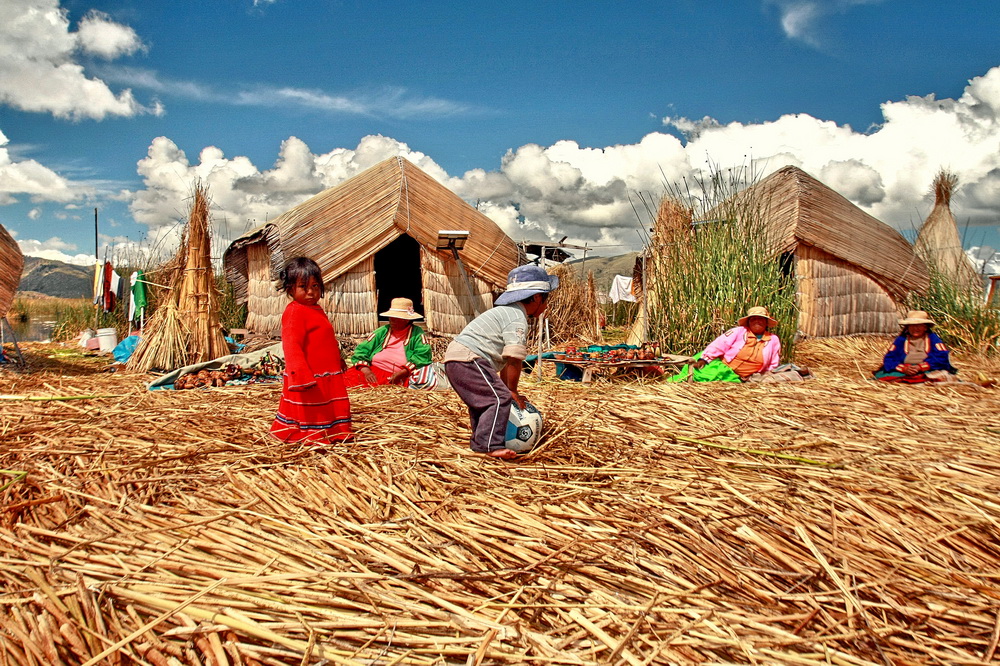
(938, 242)
(375, 237)
(11, 266)
(853, 271)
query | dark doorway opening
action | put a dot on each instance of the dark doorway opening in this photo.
(397, 273)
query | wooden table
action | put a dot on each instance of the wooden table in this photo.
(590, 366)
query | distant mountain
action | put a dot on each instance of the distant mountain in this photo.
(605, 268)
(56, 278)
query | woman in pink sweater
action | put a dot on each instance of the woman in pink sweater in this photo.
(748, 349)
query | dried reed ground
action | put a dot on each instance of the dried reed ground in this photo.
(167, 527)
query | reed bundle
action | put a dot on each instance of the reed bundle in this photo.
(185, 328)
(939, 244)
(572, 311)
(198, 297)
(168, 528)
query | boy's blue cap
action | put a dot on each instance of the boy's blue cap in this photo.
(526, 281)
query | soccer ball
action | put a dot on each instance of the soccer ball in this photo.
(524, 427)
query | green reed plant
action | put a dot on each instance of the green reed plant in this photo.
(964, 320)
(231, 314)
(711, 257)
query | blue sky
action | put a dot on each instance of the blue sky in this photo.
(552, 115)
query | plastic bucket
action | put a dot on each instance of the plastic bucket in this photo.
(107, 339)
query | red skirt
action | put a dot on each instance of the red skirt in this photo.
(321, 413)
(354, 377)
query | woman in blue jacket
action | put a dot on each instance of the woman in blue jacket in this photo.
(917, 355)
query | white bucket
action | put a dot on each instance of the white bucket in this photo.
(107, 339)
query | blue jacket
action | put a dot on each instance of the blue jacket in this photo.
(937, 355)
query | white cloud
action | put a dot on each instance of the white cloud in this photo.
(389, 101)
(34, 213)
(38, 67)
(99, 35)
(55, 249)
(592, 194)
(801, 20)
(31, 178)
(985, 259)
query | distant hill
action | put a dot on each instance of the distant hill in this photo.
(56, 278)
(605, 268)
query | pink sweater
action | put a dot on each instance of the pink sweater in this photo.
(731, 342)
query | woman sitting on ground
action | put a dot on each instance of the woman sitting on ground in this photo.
(396, 353)
(917, 355)
(747, 352)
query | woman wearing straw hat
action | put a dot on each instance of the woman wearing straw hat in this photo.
(396, 353)
(917, 355)
(746, 352)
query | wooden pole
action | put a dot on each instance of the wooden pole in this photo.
(97, 267)
(465, 277)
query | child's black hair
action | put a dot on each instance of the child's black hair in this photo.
(300, 269)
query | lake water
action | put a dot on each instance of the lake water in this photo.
(33, 330)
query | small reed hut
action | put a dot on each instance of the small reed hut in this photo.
(854, 272)
(11, 265)
(376, 237)
(938, 242)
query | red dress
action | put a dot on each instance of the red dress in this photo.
(319, 410)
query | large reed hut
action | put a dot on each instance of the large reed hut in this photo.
(11, 265)
(853, 271)
(375, 237)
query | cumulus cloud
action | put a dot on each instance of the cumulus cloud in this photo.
(55, 249)
(39, 68)
(242, 195)
(801, 20)
(597, 195)
(985, 259)
(31, 178)
(99, 35)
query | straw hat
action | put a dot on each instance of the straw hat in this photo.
(525, 281)
(916, 317)
(401, 308)
(757, 312)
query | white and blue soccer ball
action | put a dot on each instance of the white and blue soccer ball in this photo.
(524, 427)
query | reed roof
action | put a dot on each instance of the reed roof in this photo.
(342, 226)
(11, 265)
(801, 209)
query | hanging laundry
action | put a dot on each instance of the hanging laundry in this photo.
(109, 284)
(137, 298)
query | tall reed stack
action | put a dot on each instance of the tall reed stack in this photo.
(938, 242)
(186, 328)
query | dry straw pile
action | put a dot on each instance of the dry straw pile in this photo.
(836, 521)
(185, 327)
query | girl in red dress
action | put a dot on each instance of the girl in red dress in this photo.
(314, 405)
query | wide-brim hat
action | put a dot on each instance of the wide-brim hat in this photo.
(401, 308)
(916, 317)
(526, 281)
(757, 312)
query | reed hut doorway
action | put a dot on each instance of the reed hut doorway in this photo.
(397, 273)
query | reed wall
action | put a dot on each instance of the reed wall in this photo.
(351, 301)
(447, 304)
(11, 266)
(264, 302)
(836, 298)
